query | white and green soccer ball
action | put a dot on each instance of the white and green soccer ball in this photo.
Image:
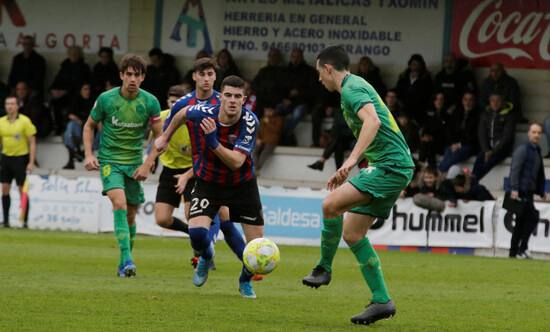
(261, 256)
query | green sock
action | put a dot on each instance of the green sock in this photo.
(370, 267)
(330, 238)
(122, 234)
(132, 236)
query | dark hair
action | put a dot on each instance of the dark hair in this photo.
(430, 170)
(204, 64)
(230, 60)
(459, 180)
(155, 52)
(418, 58)
(107, 50)
(29, 37)
(335, 56)
(132, 61)
(233, 81)
(176, 91)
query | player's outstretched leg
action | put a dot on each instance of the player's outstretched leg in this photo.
(330, 238)
(201, 242)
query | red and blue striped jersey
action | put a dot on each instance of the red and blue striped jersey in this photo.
(191, 99)
(241, 137)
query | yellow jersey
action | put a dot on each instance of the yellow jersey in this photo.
(15, 135)
(178, 152)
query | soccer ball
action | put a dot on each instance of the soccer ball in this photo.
(261, 256)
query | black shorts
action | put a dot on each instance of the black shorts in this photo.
(166, 191)
(14, 168)
(243, 201)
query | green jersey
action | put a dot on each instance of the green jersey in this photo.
(388, 147)
(124, 125)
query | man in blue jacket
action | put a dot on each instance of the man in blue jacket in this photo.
(526, 179)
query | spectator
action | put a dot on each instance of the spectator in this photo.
(341, 141)
(271, 127)
(392, 102)
(105, 70)
(328, 104)
(188, 78)
(462, 187)
(303, 87)
(251, 99)
(409, 130)
(448, 80)
(65, 87)
(78, 114)
(161, 75)
(428, 196)
(499, 82)
(432, 135)
(461, 130)
(226, 66)
(30, 104)
(3, 94)
(496, 132)
(526, 179)
(547, 132)
(466, 76)
(271, 81)
(29, 67)
(414, 88)
(371, 73)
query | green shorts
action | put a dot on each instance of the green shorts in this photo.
(117, 176)
(384, 185)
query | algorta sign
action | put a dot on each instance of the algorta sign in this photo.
(516, 33)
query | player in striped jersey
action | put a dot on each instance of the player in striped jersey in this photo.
(222, 140)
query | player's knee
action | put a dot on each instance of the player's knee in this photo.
(351, 238)
(329, 208)
(199, 238)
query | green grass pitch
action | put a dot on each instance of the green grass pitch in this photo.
(52, 281)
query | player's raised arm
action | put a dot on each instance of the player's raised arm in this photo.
(176, 121)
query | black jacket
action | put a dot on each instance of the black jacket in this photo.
(72, 75)
(30, 70)
(461, 127)
(506, 86)
(527, 170)
(496, 130)
(375, 79)
(303, 78)
(270, 86)
(103, 73)
(415, 96)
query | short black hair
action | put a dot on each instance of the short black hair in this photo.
(155, 52)
(431, 170)
(107, 50)
(132, 61)
(459, 180)
(233, 81)
(204, 64)
(176, 91)
(335, 56)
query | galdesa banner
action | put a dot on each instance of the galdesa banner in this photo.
(516, 33)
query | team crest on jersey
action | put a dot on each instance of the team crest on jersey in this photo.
(17, 137)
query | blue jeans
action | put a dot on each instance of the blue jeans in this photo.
(451, 158)
(296, 114)
(72, 138)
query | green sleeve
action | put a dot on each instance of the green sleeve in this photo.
(154, 108)
(356, 97)
(98, 114)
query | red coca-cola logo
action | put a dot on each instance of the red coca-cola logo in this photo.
(516, 33)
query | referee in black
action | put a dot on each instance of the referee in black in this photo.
(17, 136)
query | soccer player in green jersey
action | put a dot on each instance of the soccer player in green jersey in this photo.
(125, 113)
(372, 192)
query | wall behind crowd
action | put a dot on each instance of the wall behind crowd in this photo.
(145, 18)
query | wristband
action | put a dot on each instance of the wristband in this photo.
(212, 140)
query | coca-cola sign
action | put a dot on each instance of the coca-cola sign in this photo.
(516, 33)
